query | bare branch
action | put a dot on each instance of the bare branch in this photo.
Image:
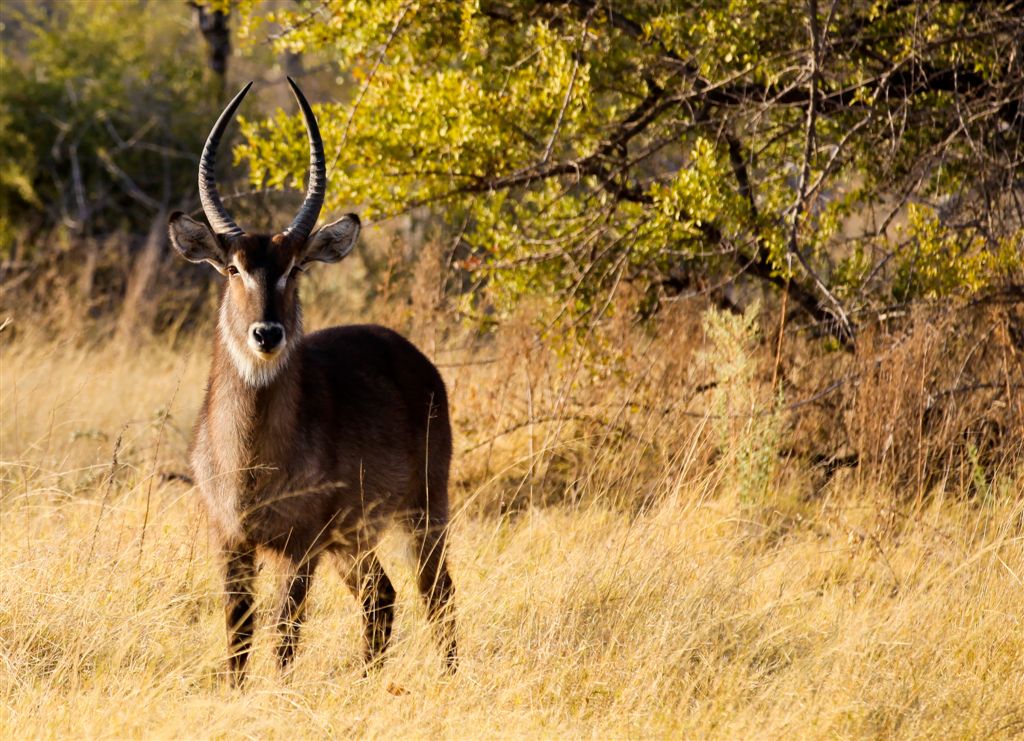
(810, 146)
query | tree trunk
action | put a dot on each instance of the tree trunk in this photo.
(213, 24)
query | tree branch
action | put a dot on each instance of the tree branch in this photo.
(810, 145)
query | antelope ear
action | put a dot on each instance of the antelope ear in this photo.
(332, 242)
(195, 242)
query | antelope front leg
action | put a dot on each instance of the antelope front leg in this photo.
(293, 605)
(240, 572)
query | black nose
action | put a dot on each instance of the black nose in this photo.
(267, 336)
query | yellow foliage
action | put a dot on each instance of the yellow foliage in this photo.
(947, 260)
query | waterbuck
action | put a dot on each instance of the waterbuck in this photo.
(311, 444)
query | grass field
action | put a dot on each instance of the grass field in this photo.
(613, 580)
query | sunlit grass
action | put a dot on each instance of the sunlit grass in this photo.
(703, 612)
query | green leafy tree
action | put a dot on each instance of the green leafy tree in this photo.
(579, 146)
(103, 108)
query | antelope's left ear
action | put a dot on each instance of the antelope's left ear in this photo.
(333, 242)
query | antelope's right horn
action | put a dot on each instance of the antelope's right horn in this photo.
(218, 216)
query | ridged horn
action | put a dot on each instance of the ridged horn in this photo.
(302, 226)
(218, 216)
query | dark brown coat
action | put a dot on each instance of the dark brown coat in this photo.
(309, 445)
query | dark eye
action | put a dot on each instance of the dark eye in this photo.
(295, 271)
(232, 270)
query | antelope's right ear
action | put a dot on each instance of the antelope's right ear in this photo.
(195, 242)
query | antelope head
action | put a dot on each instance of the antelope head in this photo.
(260, 316)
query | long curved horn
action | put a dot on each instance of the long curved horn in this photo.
(218, 216)
(309, 212)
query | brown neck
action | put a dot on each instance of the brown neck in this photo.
(255, 425)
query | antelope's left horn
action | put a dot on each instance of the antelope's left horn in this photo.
(303, 223)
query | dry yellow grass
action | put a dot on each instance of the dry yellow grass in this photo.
(699, 610)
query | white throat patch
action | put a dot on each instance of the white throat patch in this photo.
(254, 370)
